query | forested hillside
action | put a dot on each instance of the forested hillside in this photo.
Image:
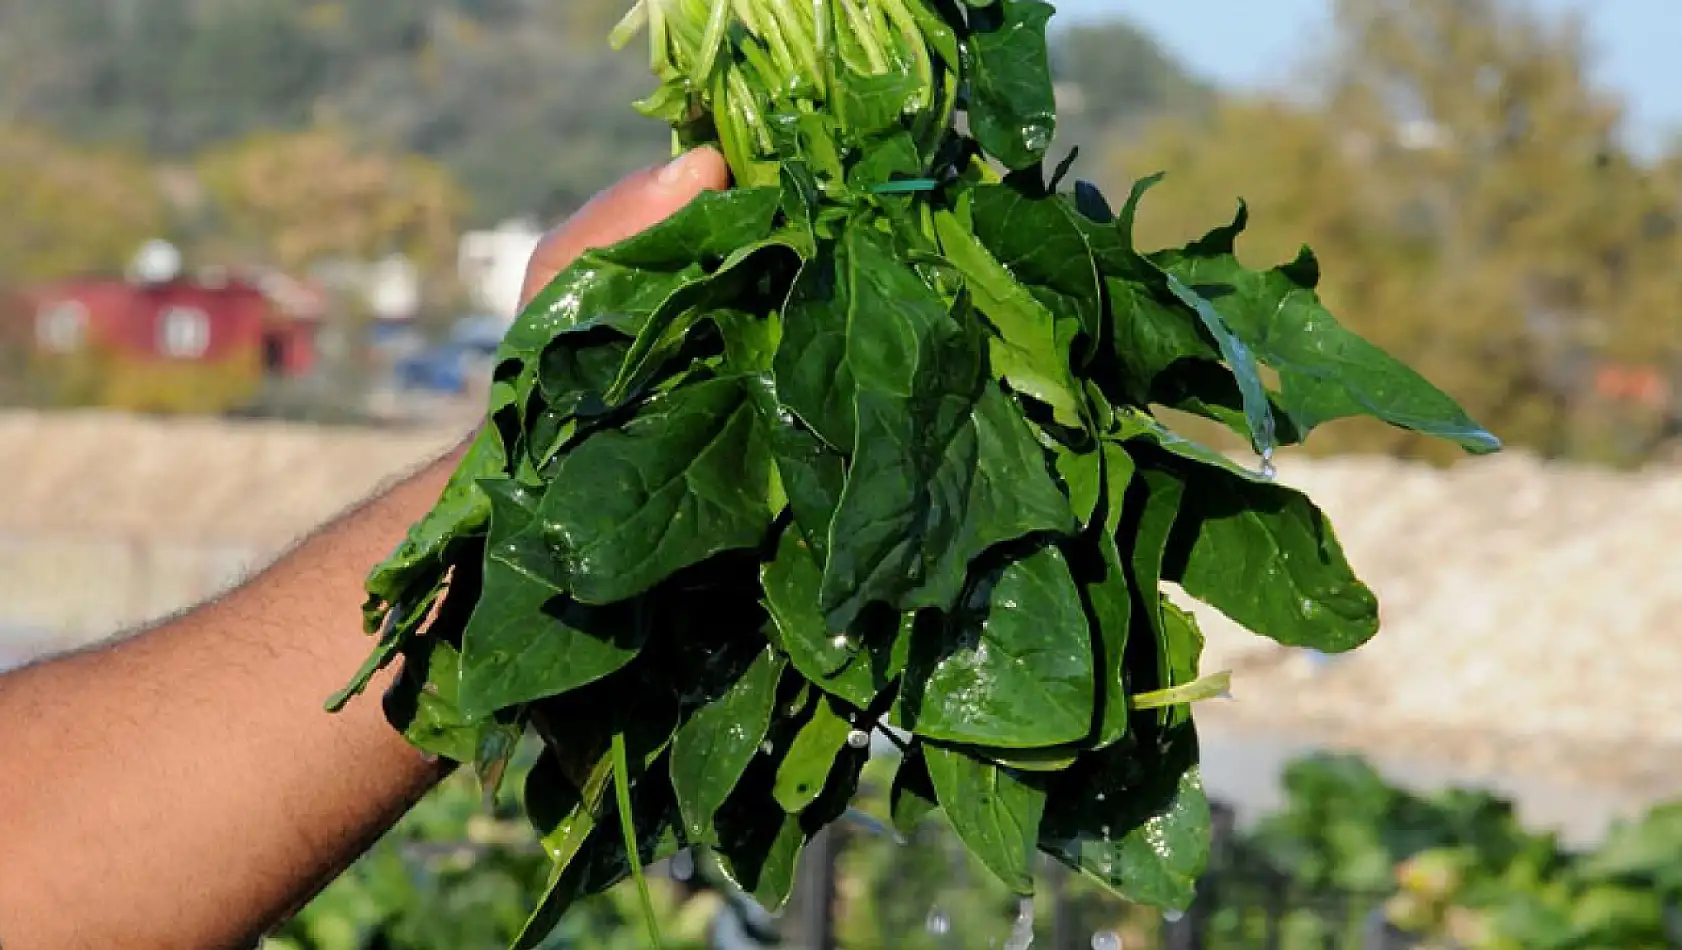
(520, 100)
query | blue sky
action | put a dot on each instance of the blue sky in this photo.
(1258, 42)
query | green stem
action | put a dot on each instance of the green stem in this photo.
(628, 825)
(912, 41)
(711, 42)
(782, 64)
(1207, 688)
(796, 28)
(865, 35)
(733, 134)
(630, 26)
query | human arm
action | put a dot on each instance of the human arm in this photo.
(182, 788)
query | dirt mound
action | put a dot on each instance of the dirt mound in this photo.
(1538, 606)
(259, 483)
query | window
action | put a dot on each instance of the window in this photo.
(183, 333)
(62, 327)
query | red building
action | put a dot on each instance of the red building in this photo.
(204, 343)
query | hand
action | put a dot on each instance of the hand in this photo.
(634, 205)
(190, 773)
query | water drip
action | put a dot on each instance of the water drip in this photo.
(1022, 931)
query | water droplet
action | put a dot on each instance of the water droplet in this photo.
(1173, 916)
(683, 865)
(840, 642)
(1106, 940)
(938, 923)
(1022, 931)
(858, 738)
(1098, 797)
(1105, 831)
(767, 747)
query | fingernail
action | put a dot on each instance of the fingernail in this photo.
(676, 170)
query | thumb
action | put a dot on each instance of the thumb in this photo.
(635, 204)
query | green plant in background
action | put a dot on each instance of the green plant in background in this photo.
(869, 439)
(1462, 870)
(1453, 869)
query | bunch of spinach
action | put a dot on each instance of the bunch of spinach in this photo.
(868, 440)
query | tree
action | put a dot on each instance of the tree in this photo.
(529, 126)
(296, 199)
(71, 210)
(1477, 215)
(1121, 77)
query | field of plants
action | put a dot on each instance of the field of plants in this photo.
(1449, 870)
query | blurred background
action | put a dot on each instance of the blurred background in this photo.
(256, 254)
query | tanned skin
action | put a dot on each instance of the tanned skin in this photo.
(182, 788)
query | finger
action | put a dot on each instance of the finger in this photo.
(630, 207)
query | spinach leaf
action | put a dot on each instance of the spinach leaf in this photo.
(623, 285)
(1152, 508)
(943, 466)
(855, 667)
(1041, 240)
(1012, 667)
(683, 481)
(811, 756)
(1135, 819)
(1325, 371)
(528, 639)
(715, 747)
(1012, 105)
(1029, 348)
(916, 513)
(995, 811)
(1108, 595)
(1265, 556)
(403, 588)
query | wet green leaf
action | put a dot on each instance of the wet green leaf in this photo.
(995, 811)
(529, 639)
(1325, 371)
(912, 797)
(1109, 597)
(1029, 350)
(811, 757)
(1265, 556)
(620, 287)
(856, 666)
(1041, 240)
(1135, 820)
(680, 483)
(1012, 668)
(716, 745)
(1012, 107)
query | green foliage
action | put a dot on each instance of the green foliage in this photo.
(895, 435)
(1459, 866)
(466, 83)
(1464, 178)
(1455, 865)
